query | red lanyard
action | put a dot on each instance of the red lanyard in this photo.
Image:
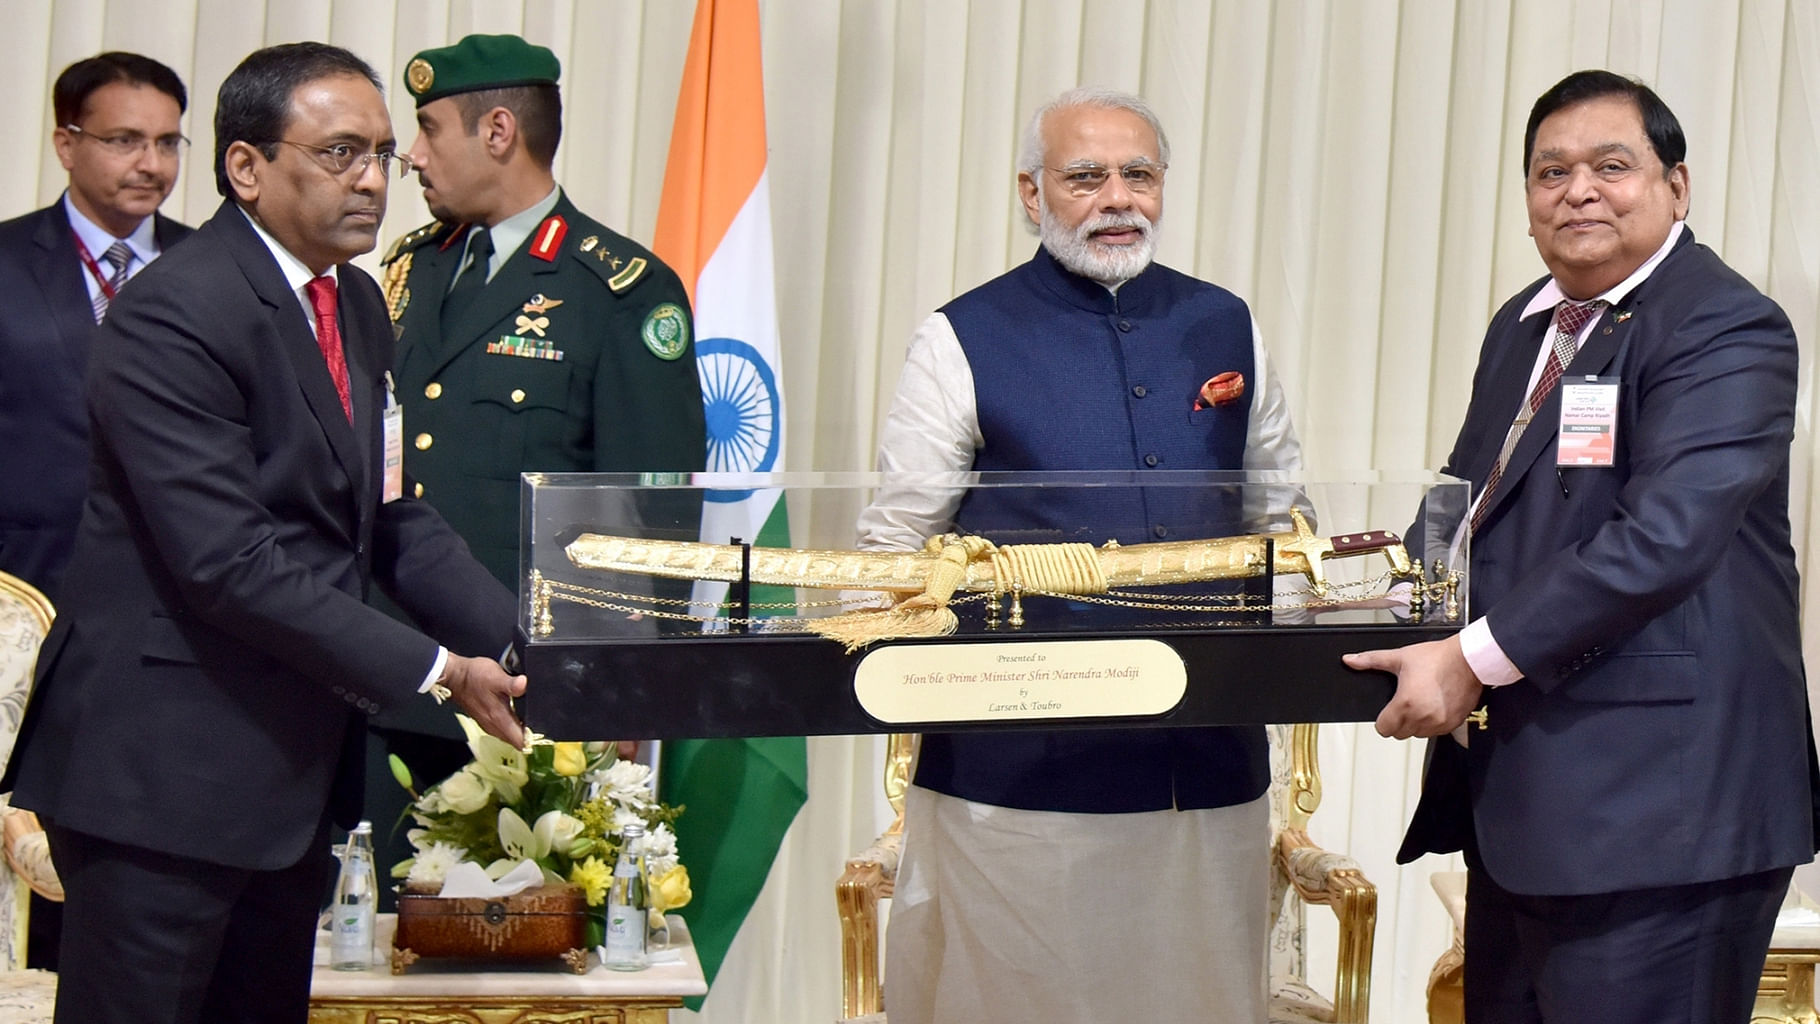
(107, 287)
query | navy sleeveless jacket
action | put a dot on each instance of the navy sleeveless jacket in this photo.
(1069, 376)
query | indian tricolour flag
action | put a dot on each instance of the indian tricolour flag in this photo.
(714, 229)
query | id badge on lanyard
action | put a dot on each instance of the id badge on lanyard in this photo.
(394, 444)
(1589, 422)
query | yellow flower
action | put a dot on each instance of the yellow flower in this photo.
(570, 760)
(593, 877)
(671, 890)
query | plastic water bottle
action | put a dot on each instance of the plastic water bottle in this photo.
(627, 904)
(351, 915)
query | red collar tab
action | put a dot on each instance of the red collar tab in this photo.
(547, 242)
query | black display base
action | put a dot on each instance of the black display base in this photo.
(702, 687)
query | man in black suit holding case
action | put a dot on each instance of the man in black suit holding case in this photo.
(1642, 785)
(200, 705)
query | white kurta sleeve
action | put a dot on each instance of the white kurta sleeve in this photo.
(928, 443)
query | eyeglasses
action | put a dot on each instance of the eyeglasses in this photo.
(1084, 179)
(131, 144)
(339, 158)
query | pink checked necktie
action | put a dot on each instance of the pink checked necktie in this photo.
(1570, 316)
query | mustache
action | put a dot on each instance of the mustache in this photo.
(1115, 222)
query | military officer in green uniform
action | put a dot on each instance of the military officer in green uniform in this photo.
(531, 337)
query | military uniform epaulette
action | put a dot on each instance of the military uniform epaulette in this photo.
(397, 264)
(413, 240)
(616, 259)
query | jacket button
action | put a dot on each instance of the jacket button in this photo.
(518, 396)
(350, 698)
(433, 391)
(417, 491)
(1159, 531)
(1151, 460)
(1139, 391)
(424, 441)
(1125, 325)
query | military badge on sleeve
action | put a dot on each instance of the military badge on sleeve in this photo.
(666, 331)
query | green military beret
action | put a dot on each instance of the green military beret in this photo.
(479, 62)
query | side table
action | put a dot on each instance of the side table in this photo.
(438, 991)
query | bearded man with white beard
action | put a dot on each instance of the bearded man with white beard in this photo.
(1086, 875)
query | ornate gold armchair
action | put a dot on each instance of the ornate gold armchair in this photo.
(1302, 873)
(25, 618)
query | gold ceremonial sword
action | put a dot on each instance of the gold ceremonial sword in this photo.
(983, 566)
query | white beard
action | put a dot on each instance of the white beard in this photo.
(1096, 261)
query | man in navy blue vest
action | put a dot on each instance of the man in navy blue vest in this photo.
(1096, 874)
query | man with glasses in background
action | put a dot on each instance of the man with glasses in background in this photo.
(118, 135)
(1092, 874)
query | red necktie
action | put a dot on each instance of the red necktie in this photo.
(328, 336)
(1570, 316)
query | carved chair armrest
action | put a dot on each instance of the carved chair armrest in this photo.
(870, 876)
(28, 853)
(1334, 880)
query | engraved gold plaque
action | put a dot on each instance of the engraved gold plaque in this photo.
(915, 684)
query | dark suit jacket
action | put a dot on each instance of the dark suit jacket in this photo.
(1659, 735)
(44, 344)
(205, 688)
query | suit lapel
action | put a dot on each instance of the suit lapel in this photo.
(1593, 359)
(363, 370)
(1507, 389)
(59, 275)
(1547, 422)
(296, 338)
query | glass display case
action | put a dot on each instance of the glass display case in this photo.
(804, 603)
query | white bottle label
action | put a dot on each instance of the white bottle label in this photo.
(625, 935)
(351, 941)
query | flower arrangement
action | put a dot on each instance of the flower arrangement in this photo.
(562, 806)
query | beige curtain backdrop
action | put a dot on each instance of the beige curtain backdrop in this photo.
(1350, 167)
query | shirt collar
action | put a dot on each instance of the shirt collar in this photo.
(296, 274)
(1551, 295)
(143, 241)
(511, 233)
